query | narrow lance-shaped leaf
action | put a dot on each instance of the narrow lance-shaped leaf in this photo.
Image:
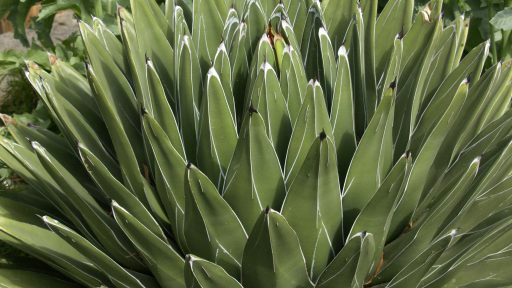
(297, 11)
(376, 216)
(115, 190)
(312, 120)
(158, 107)
(102, 226)
(328, 64)
(268, 100)
(351, 265)
(293, 81)
(274, 248)
(400, 252)
(313, 206)
(254, 179)
(212, 229)
(223, 67)
(208, 24)
(426, 156)
(166, 264)
(169, 166)
(395, 19)
(413, 273)
(310, 46)
(202, 273)
(342, 114)
(217, 131)
(116, 273)
(189, 86)
(372, 160)
(338, 16)
(151, 28)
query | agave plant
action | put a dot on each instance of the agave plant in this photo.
(265, 143)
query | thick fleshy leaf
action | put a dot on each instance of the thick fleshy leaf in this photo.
(18, 278)
(312, 120)
(254, 179)
(23, 229)
(338, 17)
(376, 216)
(202, 273)
(273, 247)
(217, 131)
(157, 106)
(310, 46)
(103, 227)
(189, 87)
(152, 29)
(413, 273)
(115, 272)
(416, 181)
(212, 229)
(293, 81)
(161, 258)
(328, 64)
(208, 24)
(116, 191)
(313, 206)
(268, 100)
(372, 160)
(169, 167)
(395, 19)
(351, 265)
(400, 252)
(342, 114)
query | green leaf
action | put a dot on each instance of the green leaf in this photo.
(417, 180)
(272, 256)
(152, 30)
(169, 167)
(312, 120)
(202, 273)
(293, 81)
(217, 131)
(376, 216)
(310, 46)
(328, 64)
(372, 160)
(208, 24)
(413, 273)
(21, 227)
(102, 226)
(158, 107)
(313, 206)
(339, 15)
(17, 278)
(189, 86)
(212, 229)
(297, 11)
(393, 20)
(503, 19)
(400, 252)
(342, 114)
(254, 179)
(266, 97)
(351, 265)
(116, 273)
(161, 258)
(116, 191)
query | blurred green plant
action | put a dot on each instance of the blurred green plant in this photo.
(489, 19)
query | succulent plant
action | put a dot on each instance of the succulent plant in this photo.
(265, 143)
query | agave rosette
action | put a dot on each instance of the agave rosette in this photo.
(265, 143)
